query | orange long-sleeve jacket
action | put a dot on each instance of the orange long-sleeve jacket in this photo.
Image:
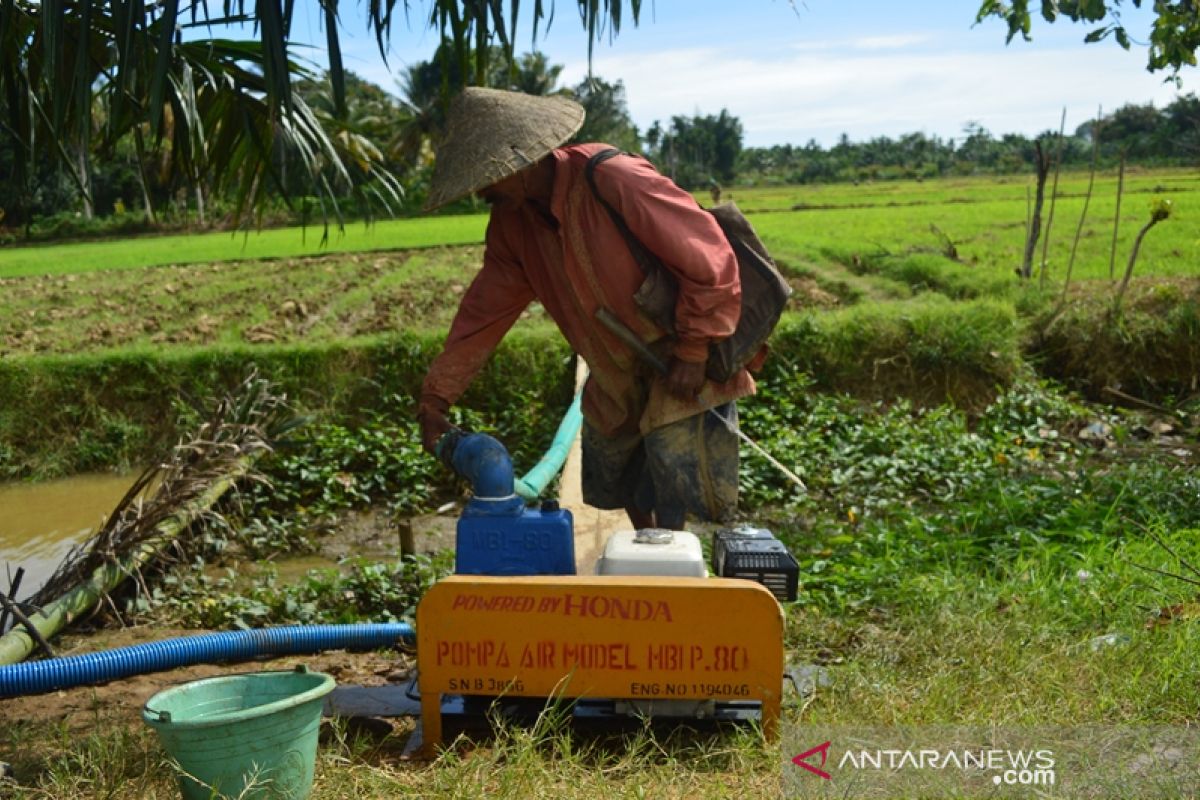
(579, 262)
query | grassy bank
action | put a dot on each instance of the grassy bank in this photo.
(66, 414)
(118, 407)
(1149, 347)
(71, 413)
(928, 350)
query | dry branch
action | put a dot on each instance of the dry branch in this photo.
(1053, 196)
(1112, 255)
(148, 525)
(1035, 220)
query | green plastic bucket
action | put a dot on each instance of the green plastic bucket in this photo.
(243, 736)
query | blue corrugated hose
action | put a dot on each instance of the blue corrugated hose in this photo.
(34, 677)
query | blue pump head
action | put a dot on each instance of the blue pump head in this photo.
(497, 534)
(480, 459)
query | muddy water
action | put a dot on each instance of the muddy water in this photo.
(40, 522)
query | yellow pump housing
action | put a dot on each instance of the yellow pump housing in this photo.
(631, 638)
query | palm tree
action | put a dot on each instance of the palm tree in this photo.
(425, 88)
(225, 107)
(533, 74)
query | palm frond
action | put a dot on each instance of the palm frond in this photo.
(224, 111)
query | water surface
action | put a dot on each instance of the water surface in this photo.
(40, 522)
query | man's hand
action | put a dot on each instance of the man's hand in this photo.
(685, 379)
(431, 414)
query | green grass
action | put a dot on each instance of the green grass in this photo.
(518, 764)
(985, 216)
(1041, 627)
(149, 251)
(947, 191)
(985, 220)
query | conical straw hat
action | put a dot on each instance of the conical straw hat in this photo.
(491, 134)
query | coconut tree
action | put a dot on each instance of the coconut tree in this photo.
(225, 106)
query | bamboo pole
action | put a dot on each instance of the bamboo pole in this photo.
(16, 645)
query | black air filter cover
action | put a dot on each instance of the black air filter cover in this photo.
(755, 554)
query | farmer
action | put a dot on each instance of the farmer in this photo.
(648, 445)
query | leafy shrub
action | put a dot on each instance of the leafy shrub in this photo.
(865, 460)
(899, 496)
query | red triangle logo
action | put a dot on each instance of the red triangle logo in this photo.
(802, 760)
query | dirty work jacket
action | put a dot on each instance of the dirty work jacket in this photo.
(579, 262)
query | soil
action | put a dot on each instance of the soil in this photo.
(807, 293)
(374, 533)
(257, 302)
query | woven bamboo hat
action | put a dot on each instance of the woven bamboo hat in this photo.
(492, 134)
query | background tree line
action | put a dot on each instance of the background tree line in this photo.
(1146, 135)
(385, 143)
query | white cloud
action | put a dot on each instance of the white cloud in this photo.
(894, 42)
(793, 95)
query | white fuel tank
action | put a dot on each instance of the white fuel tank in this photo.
(652, 551)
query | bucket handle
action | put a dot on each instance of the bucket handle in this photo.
(163, 716)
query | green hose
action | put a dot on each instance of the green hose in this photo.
(534, 482)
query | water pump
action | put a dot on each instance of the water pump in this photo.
(497, 533)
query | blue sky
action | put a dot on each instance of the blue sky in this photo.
(818, 68)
